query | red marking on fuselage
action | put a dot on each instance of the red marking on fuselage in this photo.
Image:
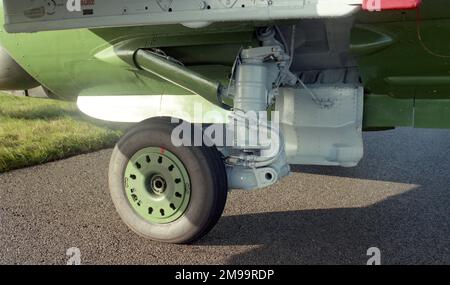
(87, 2)
(382, 5)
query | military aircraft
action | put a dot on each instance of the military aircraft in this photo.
(226, 94)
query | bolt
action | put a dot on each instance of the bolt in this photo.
(202, 5)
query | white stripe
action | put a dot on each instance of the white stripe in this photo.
(137, 108)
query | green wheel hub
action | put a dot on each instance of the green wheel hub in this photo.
(157, 185)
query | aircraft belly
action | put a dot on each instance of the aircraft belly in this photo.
(383, 49)
(37, 15)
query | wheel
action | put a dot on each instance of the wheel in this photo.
(166, 193)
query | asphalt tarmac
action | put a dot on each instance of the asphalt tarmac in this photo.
(397, 199)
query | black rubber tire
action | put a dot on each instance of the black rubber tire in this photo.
(206, 171)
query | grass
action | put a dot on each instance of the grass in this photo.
(34, 131)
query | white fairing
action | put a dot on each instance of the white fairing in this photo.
(134, 109)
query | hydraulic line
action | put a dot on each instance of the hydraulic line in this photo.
(178, 74)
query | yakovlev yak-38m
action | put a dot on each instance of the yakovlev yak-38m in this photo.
(226, 94)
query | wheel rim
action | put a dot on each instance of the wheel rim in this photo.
(157, 185)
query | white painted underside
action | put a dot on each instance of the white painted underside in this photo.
(137, 108)
(111, 13)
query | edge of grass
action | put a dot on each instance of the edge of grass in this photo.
(36, 130)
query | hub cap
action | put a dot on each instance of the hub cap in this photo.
(157, 185)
